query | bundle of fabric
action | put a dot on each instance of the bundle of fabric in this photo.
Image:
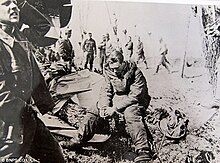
(174, 125)
(71, 113)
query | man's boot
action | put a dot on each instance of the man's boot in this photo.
(72, 144)
(144, 156)
(145, 62)
(157, 69)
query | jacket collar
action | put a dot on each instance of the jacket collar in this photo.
(6, 38)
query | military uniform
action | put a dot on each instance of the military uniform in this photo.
(66, 51)
(21, 83)
(140, 53)
(89, 48)
(102, 54)
(127, 92)
(129, 46)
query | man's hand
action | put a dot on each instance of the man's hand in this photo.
(110, 111)
(107, 112)
(102, 112)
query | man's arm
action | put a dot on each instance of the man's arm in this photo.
(83, 46)
(9, 102)
(142, 46)
(40, 93)
(95, 49)
(130, 45)
(106, 94)
(101, 45)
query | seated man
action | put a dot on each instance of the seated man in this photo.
(125, 92)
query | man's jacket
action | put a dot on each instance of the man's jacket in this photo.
(130, 83)
(129, 45)
(102, 48)
(89, 46)
(140, 48)
(66, 49)
(20, 83)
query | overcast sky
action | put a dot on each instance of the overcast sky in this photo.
(169, 21)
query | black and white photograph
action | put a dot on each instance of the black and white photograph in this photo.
(102, 81)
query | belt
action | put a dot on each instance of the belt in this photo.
(121, 93)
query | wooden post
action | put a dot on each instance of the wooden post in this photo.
(187, 36)
(183, 67)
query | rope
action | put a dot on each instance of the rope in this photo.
(108, 13)
(187, 36)
(80, 22)
(87, 16)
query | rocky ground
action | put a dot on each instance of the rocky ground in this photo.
(169, 92)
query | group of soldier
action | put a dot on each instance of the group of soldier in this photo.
(106, 46)
(62, 53)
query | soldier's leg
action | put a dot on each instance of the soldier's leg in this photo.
(101, 62)
(139, 133)
(158, 67)
(45, 148)
(73, 64)
(166, 66)
(136, 127)
(91, 124)
(91, 60)
(87, 60)
(145, 62)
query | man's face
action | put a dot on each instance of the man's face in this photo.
(9, 12)
(114, 64)
(90, 35)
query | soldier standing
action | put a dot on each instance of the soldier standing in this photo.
(21, 83)
(66, 50)
(109, 46)
(140, 52)
(89, 48)
(129, 45)
(163, 60)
